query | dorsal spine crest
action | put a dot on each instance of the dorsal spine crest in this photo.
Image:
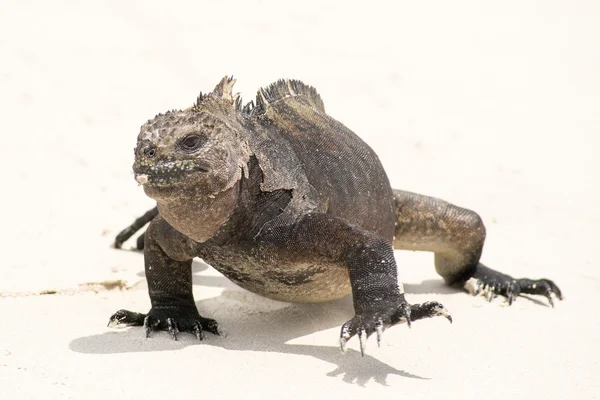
(283, 89)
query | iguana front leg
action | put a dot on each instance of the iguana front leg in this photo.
(379, 300)
(169, 279)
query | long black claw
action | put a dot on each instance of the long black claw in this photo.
(345, 336)
(379, 329)
(548, 295)
(491, 289)
(198, 331)
(147, 328)
(512, 291)
(357, 326)
(362, 338)
(405, 312)
(172, 328)
(149, 324)
(555, 289)
(552, 289)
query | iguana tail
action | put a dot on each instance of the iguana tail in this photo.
(138, 224)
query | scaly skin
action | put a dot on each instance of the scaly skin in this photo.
(289, 203)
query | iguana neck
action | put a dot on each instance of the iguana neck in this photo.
(199, 217)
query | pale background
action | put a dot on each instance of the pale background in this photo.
(494, 106)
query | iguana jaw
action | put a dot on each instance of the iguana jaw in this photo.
(169, 173)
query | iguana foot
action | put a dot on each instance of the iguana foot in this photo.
(490, 283)
(364, 325)
(169, 319)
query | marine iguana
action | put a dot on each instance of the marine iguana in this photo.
(290, 204)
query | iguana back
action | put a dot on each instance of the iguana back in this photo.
(348, 179)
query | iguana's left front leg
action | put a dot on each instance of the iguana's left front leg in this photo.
(379, 300)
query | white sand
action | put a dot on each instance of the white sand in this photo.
(494, 106)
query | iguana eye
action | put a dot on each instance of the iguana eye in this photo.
(149, 152)
(192, 142)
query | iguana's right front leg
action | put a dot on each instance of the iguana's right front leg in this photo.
(169, 279)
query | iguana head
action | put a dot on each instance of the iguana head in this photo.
(200, 148)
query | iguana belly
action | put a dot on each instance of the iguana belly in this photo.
(304, 282)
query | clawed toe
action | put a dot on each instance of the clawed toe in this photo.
(363, 328)
(429, 309)
(490, 283)
(512, 291)
(158, 319)
(125, 318)
(365, 325)
(173, 326)
(150, 323)
(544, 287)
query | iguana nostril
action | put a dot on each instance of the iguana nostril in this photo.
(150, 152)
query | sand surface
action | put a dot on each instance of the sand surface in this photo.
(495, 107)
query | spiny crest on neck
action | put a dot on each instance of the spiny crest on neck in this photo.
(222, 95)
(287, 89)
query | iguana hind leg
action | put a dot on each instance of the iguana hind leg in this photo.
(456, 236)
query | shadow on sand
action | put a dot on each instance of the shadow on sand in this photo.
(253, 331)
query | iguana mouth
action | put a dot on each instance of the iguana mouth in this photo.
(168, 173)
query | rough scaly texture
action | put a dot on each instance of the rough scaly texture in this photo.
(289, 203)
